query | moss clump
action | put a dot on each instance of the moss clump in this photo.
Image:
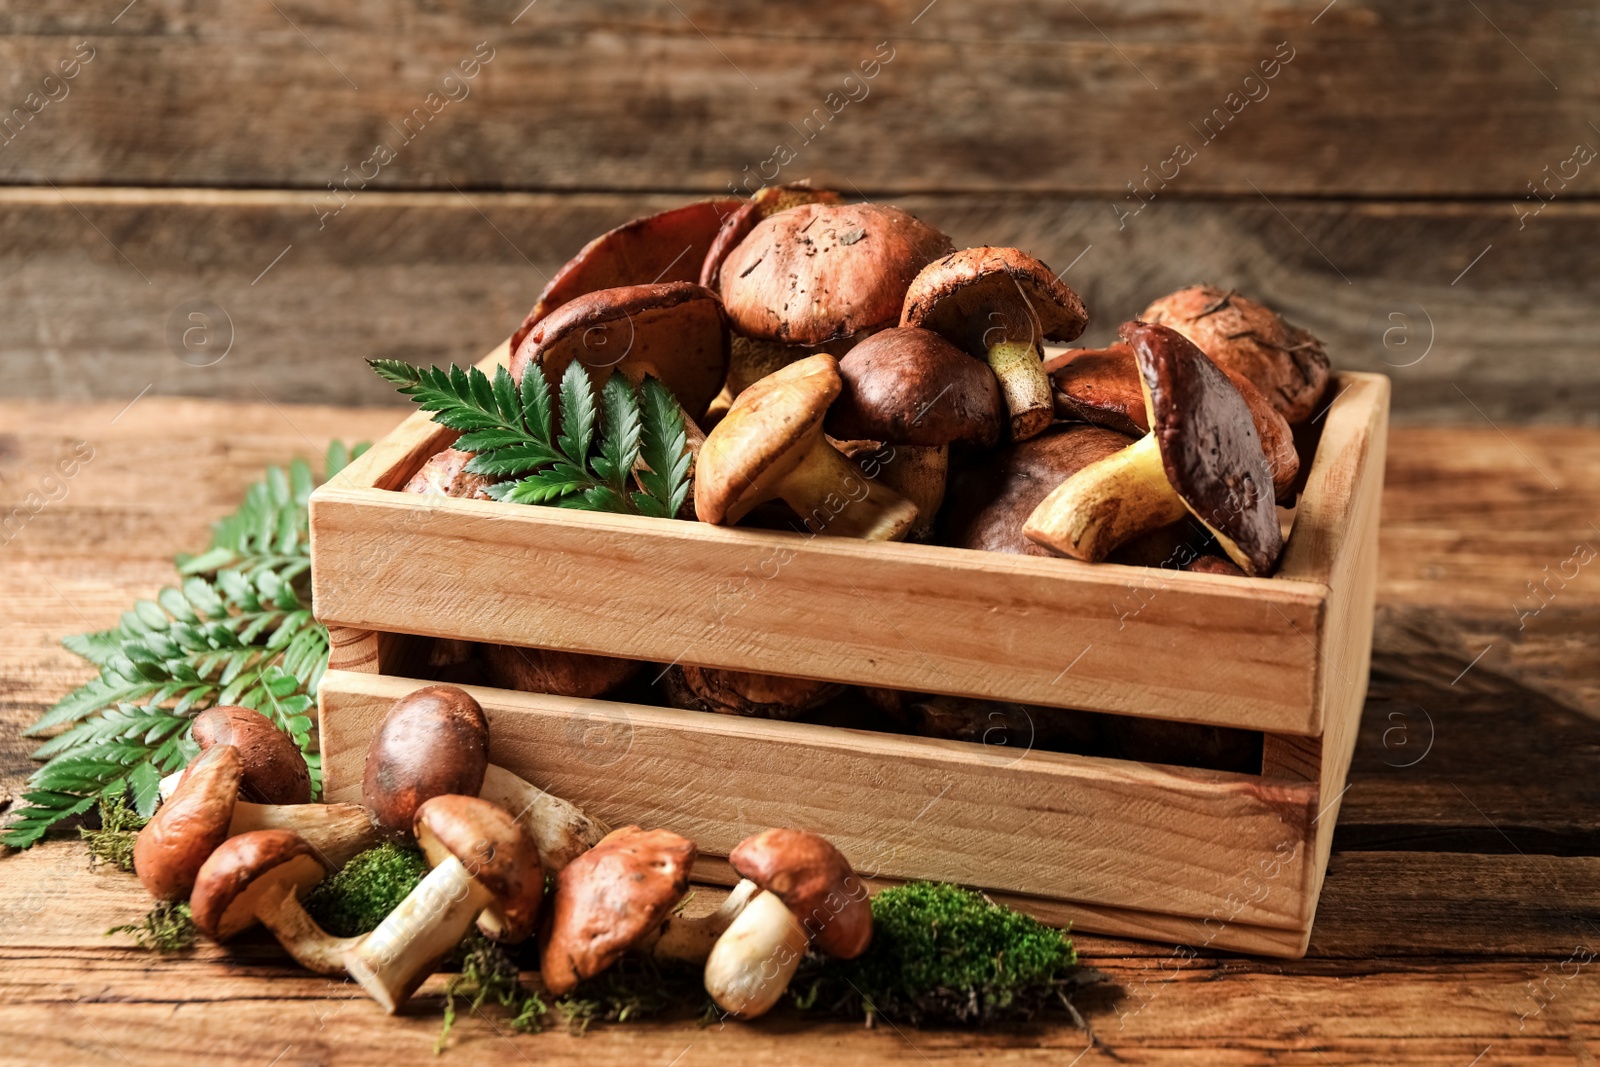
(941, 954)
(167, 927)
(355, 899)
(113, 841)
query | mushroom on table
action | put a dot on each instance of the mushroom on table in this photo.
(248, 874)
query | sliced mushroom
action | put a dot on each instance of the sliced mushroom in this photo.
(1000, 304)
(771, 445)
(1102, 387)
(1202, 456)
(565, 674)
(667, 247)
(918, 393)
(247, 873)
(613, 899)
(762, 696)
(1285, 362)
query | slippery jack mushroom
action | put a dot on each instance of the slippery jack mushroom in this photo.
(248, 874)
(434, 741)
(1000, 304)
(554, 672)
(770, 445)
(809, 896)
(1202, 456)
(918, 393)
(445, 474)
(273, 769)
(762, 696)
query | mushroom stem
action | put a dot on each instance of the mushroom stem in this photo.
(335, 832)
(832, 496)
(690, 940)
(393, 960)
(752, 962)
(312, 947)
(561, 830)
(1024, 385)
(1106, 503)
(918, 473)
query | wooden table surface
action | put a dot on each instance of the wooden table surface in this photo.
(1460, 923)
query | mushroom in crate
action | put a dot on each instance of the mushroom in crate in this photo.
(1000, 304)
(918, 393)
(762, 696)
(1202, 456)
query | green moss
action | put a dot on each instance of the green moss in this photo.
(942, 954)
(167, 927)
(489, 974)
(113, 841)
(355, 899)
(635, 987)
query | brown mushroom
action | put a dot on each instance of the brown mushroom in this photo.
(667, 247)
(445, 474)
(558, 673)
(771, 445)
(249, 872)
(612, 899)
(485, 868)
(273, 769)
(915, 391)
(762, 696)
(175, 843)
(763, 203)
(434, 741)
(1202, 456)
(1102, 387)
(1285, 362)
(810, 895)
(1000, 304)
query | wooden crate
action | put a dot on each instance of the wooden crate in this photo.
(1203, 858)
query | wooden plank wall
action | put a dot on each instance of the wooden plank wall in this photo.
(1415, 181)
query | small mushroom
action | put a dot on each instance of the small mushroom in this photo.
(1000, 304)
(762, 696)
(915, 391)
(771, 445)
(613, 899)
(248, 872)
(1285, 362)
(667, 247)
(557, 673)
(274, 770)
(1102, 387)
(434, 741)
(810, 895)
(445, 474)
(1202, 456)
(825, 272)
(484, 868)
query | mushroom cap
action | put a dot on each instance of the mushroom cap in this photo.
(189, 825)
(235, 875)
(819, 272)
(978, 297)
(1102, 387)
(445, 474)
(496, 851)
(989, 501)
(610, 898)
(764, 436)
(1286, 363)
(275, 772)
(765, 696)
(763, 203)
(1209, 446)
(815, 882)
(556, 673)
(674, 331)
(432, 741)
(910, 386)
(666, 247)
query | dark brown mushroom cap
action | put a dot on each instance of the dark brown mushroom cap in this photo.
(764, 435)
(445, 474)
(1102, 387)
(912, 387)
(764, 696)
(989, 500)
(222, 903)
(189, 825)
(667, 247)
(978, 297)
(673, 331)
(764, 203)
(556, 673)
(496, 851)
(610, 898)
(1285, 362)
(432, 741)
(274, 771)
(815, 882)
(1214, 565)
(820, 272)
(1209, 446)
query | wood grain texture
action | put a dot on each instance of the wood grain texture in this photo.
(1373, 100)
(440, 277)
